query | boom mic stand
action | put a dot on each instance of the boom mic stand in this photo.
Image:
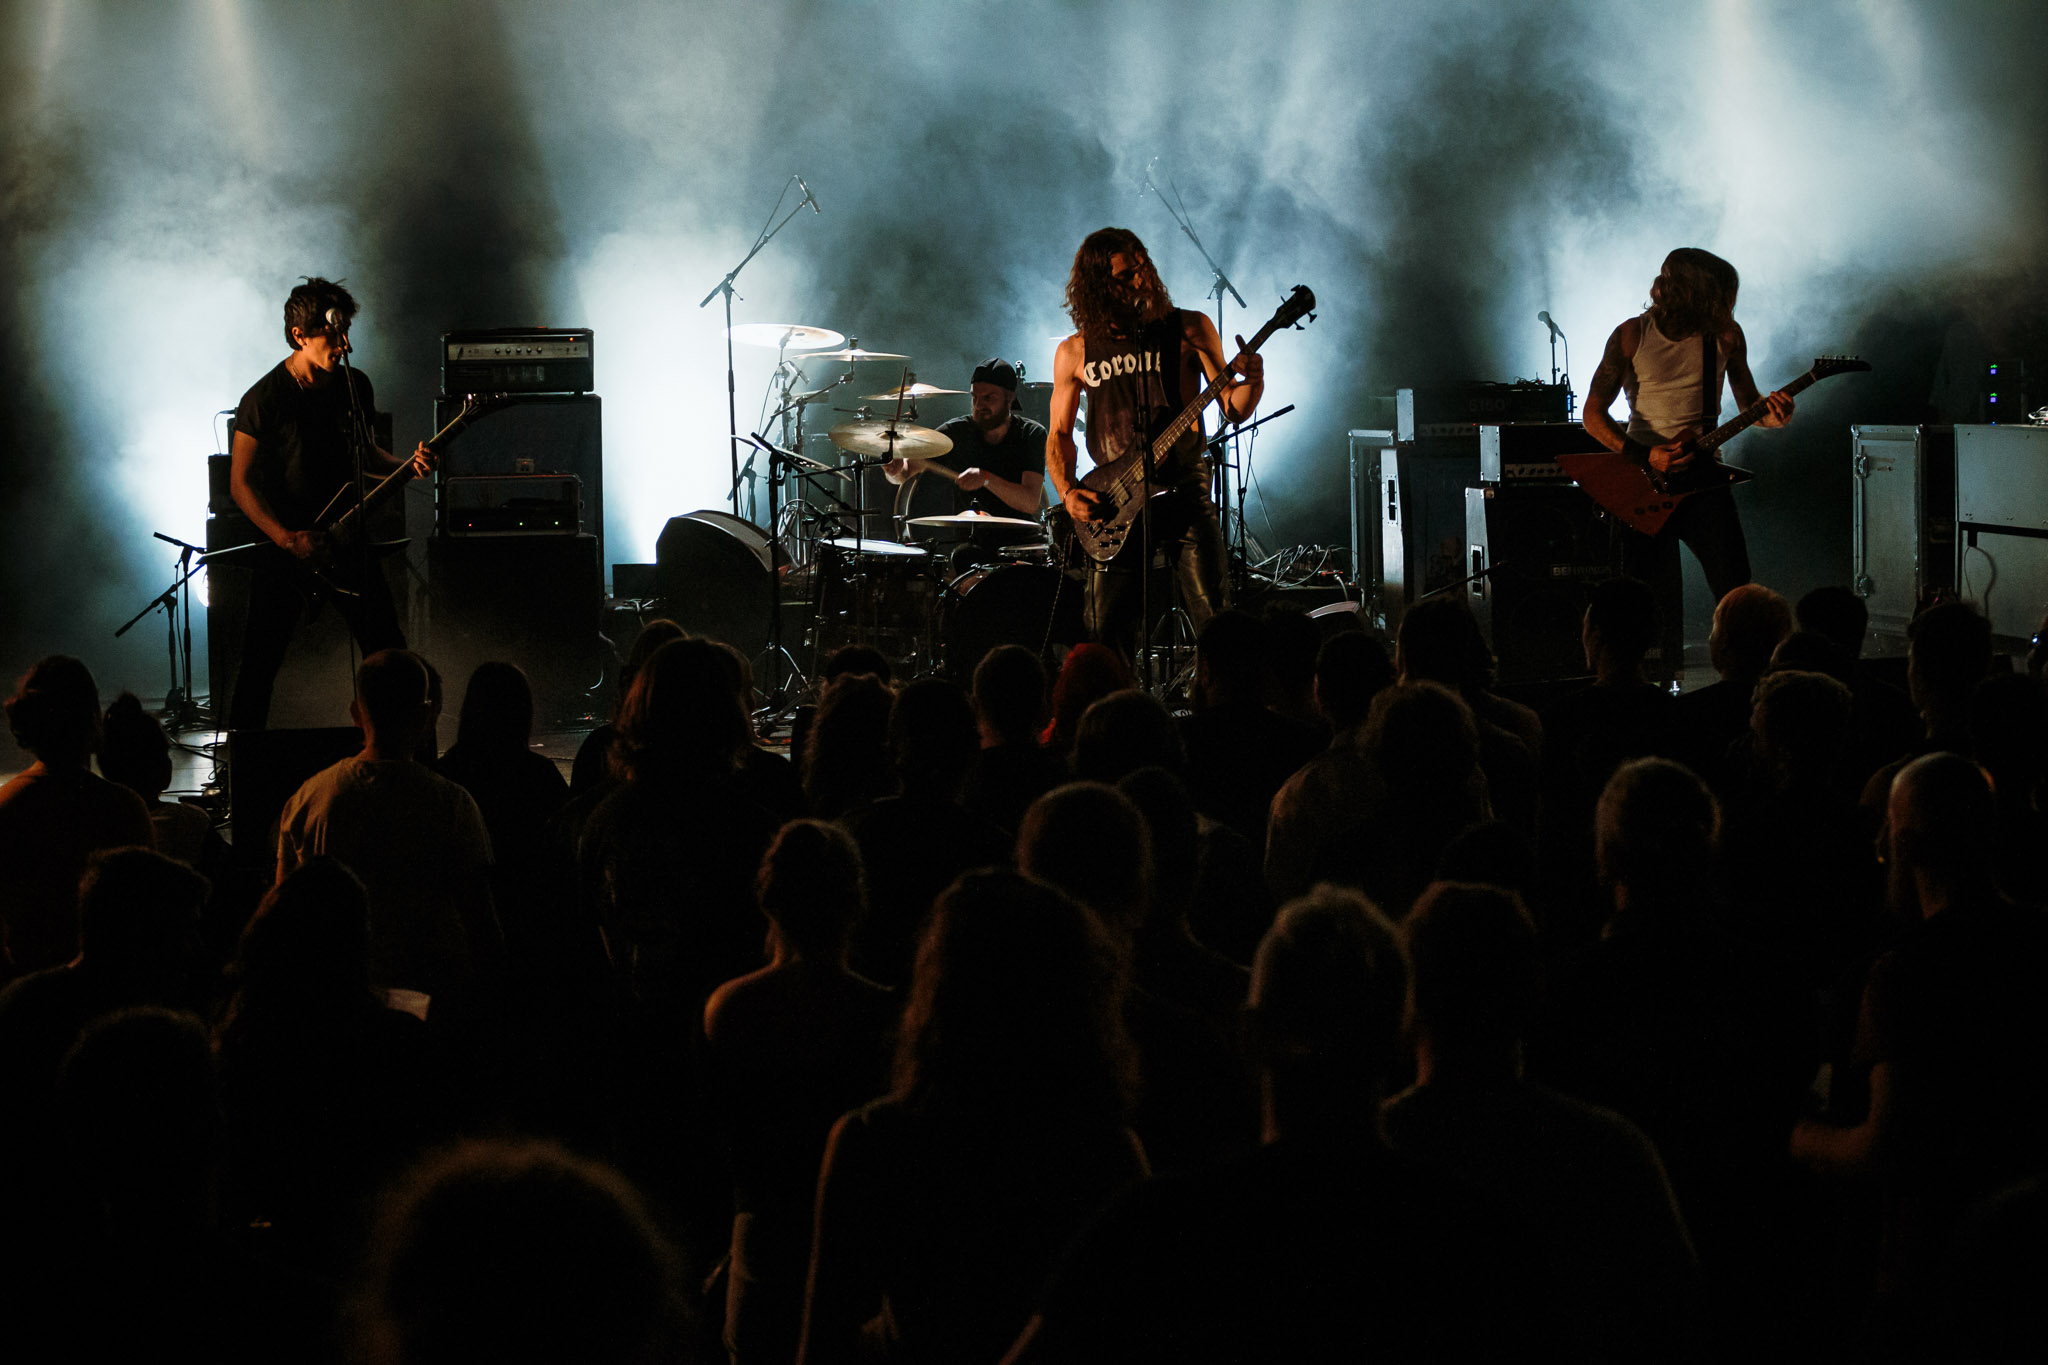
(725, 287)
(1220, 285)
(180, 711)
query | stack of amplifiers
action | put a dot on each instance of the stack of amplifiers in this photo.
(1903, 520)
(2002, 524)
(556, 435)
(1543, 544)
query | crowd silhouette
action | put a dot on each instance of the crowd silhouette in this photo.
(1364, 1010)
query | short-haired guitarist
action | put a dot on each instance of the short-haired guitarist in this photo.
(292, 453)
(1658, 359)
(1140, 360)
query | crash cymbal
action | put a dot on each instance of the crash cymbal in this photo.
(896, 440)
(785, 336)
(971, 520)
(913, 391)
(852, 354)
(888, 549)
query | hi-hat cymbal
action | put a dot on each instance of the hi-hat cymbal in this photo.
(913, 391)
(785, 336)
(853, 354)
(897, 439)
(972, 519)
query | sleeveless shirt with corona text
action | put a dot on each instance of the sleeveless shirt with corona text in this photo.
(1663, 386)
(1133, 388)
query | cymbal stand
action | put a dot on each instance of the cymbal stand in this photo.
(725, 287)
(774, 694)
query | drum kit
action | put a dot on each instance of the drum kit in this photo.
(947, 583)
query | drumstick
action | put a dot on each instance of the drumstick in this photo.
(920, 465)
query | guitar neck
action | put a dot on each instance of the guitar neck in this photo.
(1748, 417)
(398, 478)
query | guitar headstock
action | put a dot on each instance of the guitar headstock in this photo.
(1826, 366)
(1299, 304)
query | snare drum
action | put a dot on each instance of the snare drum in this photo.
(1031, 605)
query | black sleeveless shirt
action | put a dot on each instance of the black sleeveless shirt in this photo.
(1133, 389)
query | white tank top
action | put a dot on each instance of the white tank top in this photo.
(1663, 386)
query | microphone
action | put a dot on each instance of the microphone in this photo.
(1544, 318)
(334, 317)
(809, 198)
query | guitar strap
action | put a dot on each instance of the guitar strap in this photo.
(1710, 385)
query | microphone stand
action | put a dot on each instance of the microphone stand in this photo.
(1220, 285)
(725, 287)
(180, 710)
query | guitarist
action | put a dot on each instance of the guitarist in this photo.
(1660, 360)
(292, 453)
(1140, 359)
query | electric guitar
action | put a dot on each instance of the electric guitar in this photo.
(1122, 484)
(1644, 499)
(342, 521)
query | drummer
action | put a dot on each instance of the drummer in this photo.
(998, 452)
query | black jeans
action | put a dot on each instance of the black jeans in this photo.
(1184, 527)
(1707, 523)
(279, 593)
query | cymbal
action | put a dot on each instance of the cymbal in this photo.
(852, 355)
(880, 437)
(972, 519)
(785, 336)
(888, 549)
(913, 391)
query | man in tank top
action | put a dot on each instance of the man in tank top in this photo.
(1140, 360)
(1656, 359)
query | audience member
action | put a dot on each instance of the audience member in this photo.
(1422, 788)
(1712, 721)
(1951, 1037)
(1194, 1106)
(1013, 770)
(942, 1207)
(771, 778)
(1887, 725)
(516, 790)
(415, 839)
(1239, 751)
(327, 1089)
(1619, 1262)
(517, 1251)
(1293, 643)
(1440, 642)
(1323, 798)
(916, 843)
(789, 1048)
(1167, 958)
(136, 753)
(1324, 1244)
(1802, 883)
(1123, 732)
(2009, 738)
(668, 858)
(1089, 673)
(1700, 1039)
(1587, 735)
(592, 767)
(846, 753)
(56, 815)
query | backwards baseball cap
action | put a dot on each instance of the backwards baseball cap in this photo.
(996, 371)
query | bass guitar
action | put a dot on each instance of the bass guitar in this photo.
(1122, 484)
(1644, 499)
(341, 523)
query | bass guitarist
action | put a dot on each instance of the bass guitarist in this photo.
(1660, 360)
(292, 453)
(1140, 359)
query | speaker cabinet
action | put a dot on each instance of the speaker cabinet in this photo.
(534, 601)
(1408, 518)
(1903, 546)
(533, 434)
(1540, 549)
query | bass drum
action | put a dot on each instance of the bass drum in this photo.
(1032, 605)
